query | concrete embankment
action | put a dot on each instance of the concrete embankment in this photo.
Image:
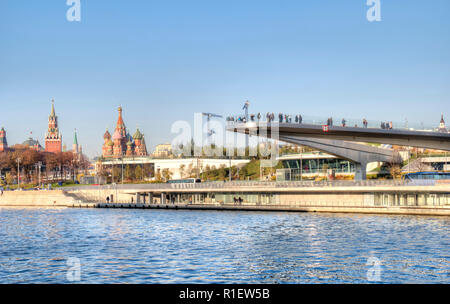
(42, 198)
(392, 200)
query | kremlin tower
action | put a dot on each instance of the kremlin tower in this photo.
(53, 139)
(75, 147)
(121, 143)
(3, 142)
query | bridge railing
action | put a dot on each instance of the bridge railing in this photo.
(257, 184)
(336, 121)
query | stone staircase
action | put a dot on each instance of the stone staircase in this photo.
(81, 197)
(38, 198)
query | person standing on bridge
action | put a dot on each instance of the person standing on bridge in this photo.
(343, 122)
(280, 117)
(390, 125)
(300, 119)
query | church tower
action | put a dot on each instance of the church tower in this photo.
(120, 137)
(3, 142)
(53, 139)
(442, 127)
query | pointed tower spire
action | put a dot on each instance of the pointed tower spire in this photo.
(52, 114)
(442, 127)
(75, 143)
(53, 138)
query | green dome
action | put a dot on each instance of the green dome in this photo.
(138, 135)
(110, 143)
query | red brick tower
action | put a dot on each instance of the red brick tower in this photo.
(53, 139)
(3, 142)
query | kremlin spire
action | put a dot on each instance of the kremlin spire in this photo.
(53, 139)
(75, 143)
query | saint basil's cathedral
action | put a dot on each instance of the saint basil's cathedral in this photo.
(121, 143)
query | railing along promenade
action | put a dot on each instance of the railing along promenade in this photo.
(233, 120)
(258, 184)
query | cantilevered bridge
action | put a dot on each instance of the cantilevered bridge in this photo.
(345, 142)
(400, 137)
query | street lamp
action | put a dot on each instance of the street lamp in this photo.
(18, 172)
(122, 168)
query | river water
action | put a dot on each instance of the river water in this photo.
(169, 246)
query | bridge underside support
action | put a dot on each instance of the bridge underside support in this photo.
(361, 169)
(359, 154)
(150, 198)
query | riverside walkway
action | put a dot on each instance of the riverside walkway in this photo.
(398, 197)
(371, 196)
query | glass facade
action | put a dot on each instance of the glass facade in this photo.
(295, 168)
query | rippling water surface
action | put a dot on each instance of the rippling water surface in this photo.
(162, 246)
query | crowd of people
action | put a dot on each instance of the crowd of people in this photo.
(285, 118)
(270, 117)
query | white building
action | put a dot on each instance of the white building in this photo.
(178, 167)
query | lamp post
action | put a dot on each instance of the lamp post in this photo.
(112, 173)
(122, 169)
(230, 169)
(39, 166)
(18, 172)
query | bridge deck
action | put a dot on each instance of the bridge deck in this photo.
(420, 139)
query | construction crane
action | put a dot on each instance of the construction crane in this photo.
(208, 119)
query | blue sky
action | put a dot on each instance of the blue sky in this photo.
(164, 60)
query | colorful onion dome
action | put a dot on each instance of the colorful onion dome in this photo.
(117, 135)
(107, 135)
(138, 135)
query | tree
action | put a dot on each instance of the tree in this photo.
(129, 172)
(116, 174)
(9, 179)
(166, 174)
(138, 172)
(182, 167)
(149, 170)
